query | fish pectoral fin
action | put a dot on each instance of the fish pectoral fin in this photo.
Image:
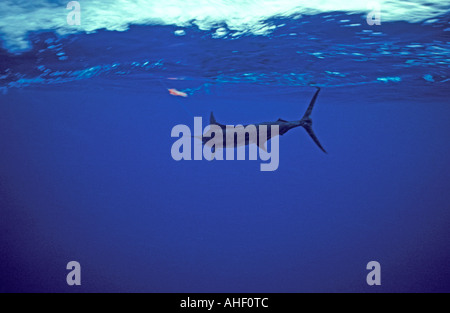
(198, 137)
(262, 146)
(281, 120)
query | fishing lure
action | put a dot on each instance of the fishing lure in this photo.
(177, 93)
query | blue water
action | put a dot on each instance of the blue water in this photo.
(86, 172)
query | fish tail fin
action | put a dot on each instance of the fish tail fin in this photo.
(306, 121)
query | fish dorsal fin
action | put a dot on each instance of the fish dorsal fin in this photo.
(212, 119)
(281, 120)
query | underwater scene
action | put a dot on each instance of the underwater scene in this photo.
(103, 158)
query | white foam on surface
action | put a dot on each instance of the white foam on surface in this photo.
(19, 17)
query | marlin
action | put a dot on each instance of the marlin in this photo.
(284, 127)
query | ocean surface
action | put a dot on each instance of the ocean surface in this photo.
(86, 172)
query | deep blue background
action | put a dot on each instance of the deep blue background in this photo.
(86, 173)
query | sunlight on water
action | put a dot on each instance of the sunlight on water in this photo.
(300, 43)
(18, 18)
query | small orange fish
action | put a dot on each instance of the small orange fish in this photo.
(177, 93)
